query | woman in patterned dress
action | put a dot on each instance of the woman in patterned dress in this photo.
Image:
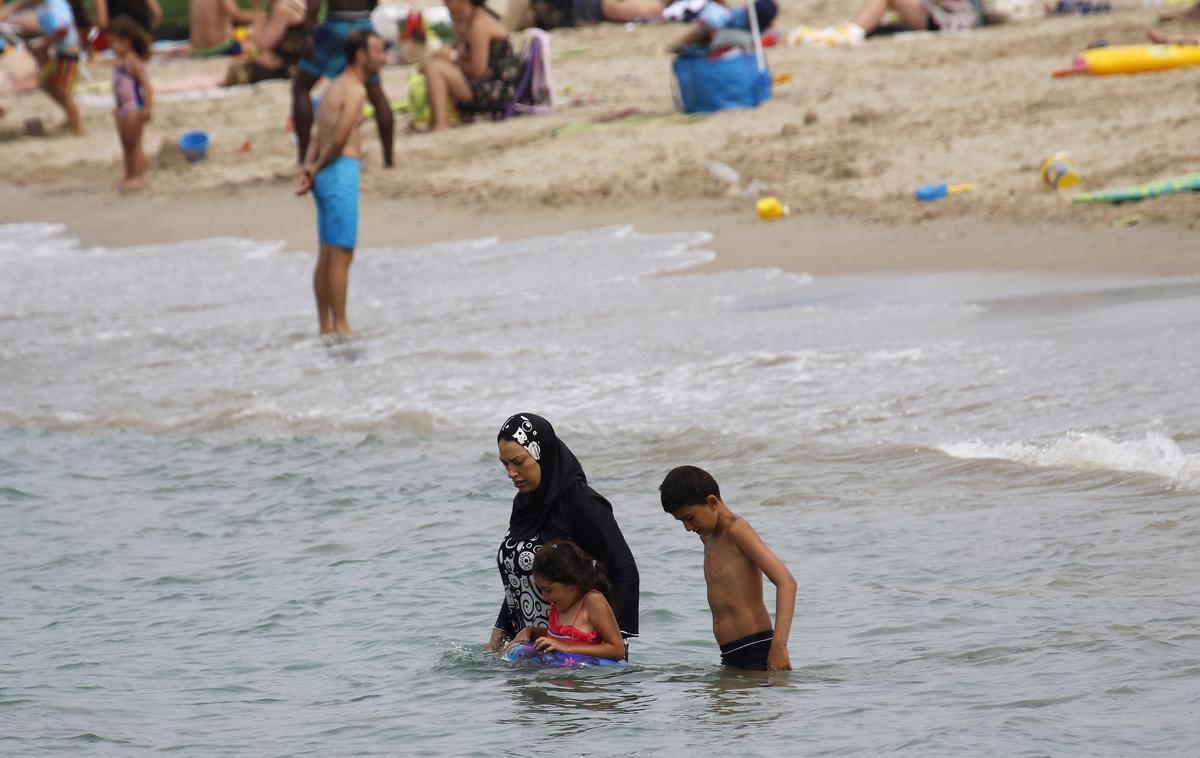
(553, 501)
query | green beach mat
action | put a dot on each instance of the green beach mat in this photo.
(1189, 183)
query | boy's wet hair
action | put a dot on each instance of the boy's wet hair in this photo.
(687, 485)
(355, 41)
(565, 562)
(123, 27)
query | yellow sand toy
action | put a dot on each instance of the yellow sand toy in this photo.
(1131, 59)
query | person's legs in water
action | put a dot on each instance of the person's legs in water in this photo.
(337, 282)
(335, 191)
(444, 83)
(321, 290)
(302, 114)
(383, 118)
(622, 11)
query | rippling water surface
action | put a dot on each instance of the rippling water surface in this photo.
(224, 536)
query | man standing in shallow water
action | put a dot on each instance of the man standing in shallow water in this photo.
(331, 171)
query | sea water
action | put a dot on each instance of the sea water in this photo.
(223, 535)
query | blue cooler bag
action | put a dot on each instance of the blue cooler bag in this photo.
(706, 85)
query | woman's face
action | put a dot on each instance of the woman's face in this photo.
(522, 469)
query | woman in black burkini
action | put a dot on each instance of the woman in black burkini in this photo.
(554, 501)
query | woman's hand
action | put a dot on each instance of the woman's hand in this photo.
(494, 642)
(525, 635)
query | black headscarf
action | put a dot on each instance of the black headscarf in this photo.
(560, 470)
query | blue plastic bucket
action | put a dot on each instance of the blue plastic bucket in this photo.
(706, 85)
(194, 145)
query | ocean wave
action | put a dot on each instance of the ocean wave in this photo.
(1153, 454)
(255, 419)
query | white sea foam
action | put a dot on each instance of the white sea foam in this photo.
(1153, 454)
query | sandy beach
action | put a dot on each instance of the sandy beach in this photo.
(843, 144)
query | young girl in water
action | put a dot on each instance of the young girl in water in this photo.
(581, 620)
(131, 88)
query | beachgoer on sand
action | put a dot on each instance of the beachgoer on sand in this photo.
(331, 171)
(211, 26)
(480, 73)
(130, 44)
(578, 591)
(916, 15)
(554, 502)
(327, 42)
(735, 560)
(715, 16)
(279, 46)
(553, 14)
(57, 52)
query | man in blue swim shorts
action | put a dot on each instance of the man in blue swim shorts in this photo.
(331, 171)
(327, 60)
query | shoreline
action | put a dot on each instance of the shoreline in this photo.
(818, 245)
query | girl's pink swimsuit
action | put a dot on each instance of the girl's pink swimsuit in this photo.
(126, 90)
(570, 632)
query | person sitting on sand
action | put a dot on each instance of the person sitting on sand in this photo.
(715, 16)
(553, 14)
(210, 26)
(916, 15)
(279, 46)
(480, 73)
(57, 53)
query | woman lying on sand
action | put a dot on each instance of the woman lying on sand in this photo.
(918, 15)
(553, 14)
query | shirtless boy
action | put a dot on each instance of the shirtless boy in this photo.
(735, 560)
(331, 171)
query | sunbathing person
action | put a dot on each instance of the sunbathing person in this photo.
(552, 14)
(917, 15)
(279, 46)
(210, 25)
(716, 16)
(479, 74)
